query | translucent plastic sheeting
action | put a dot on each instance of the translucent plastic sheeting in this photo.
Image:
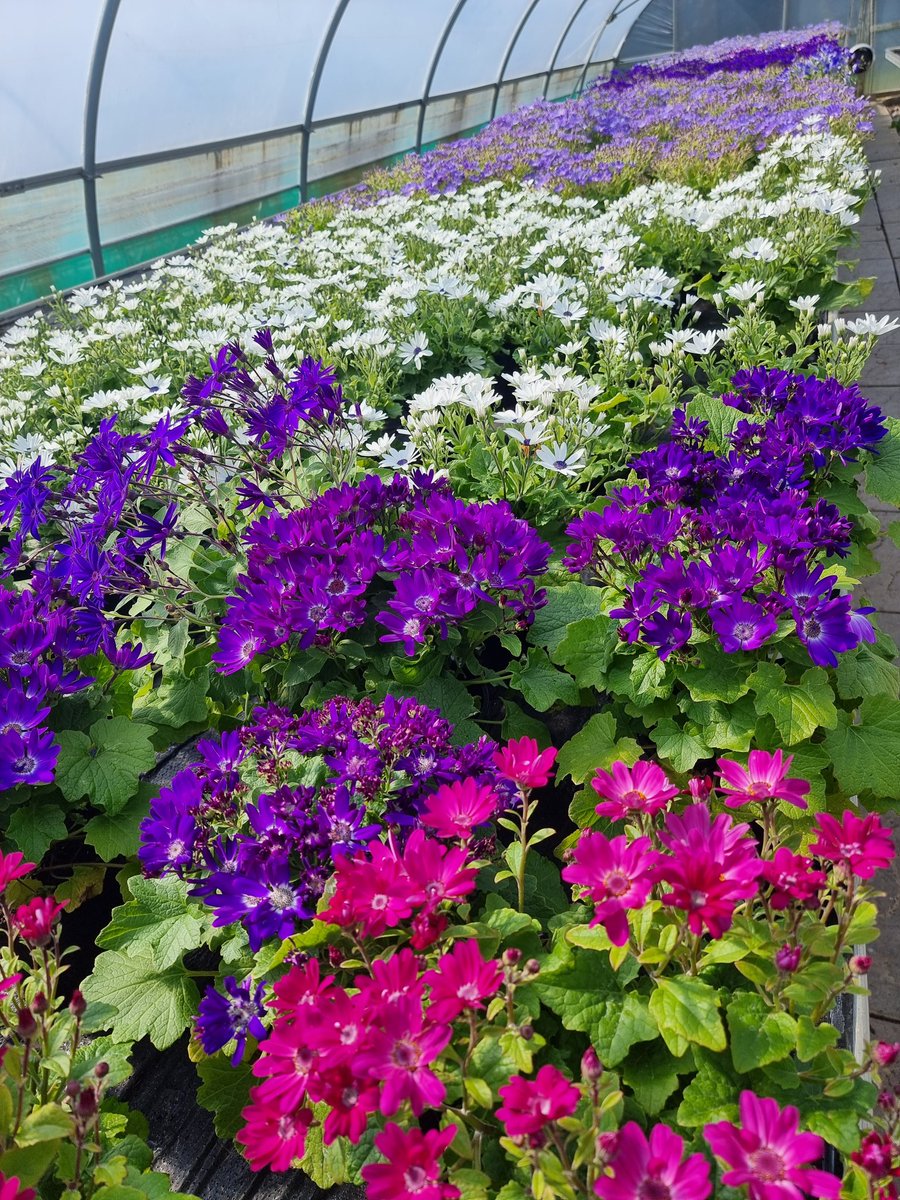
(48, 224)
(185, 74)
(45, 55)
(477, 44)
(380, 54)
(591, 17)
(534, 47)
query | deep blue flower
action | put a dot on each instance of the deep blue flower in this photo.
(234, 1014)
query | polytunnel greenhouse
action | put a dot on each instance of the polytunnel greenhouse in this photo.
(449, 693)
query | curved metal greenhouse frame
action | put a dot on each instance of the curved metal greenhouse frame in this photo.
(134, 207)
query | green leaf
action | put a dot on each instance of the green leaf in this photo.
(595, 748)
(35, 827)
(224, 1091)
(677, 746)
(46, 1123)
(687, 1011)
(29, 1163)
(813, 1039)
(643, 677)
(721, 417)
(119, 836)
(798, 709)
(623, 1026)
(717, 676)
(883, 473)
(712, 1095)
(588, 649)
(652, 1074)
(864, 672)
(758, 1035)
(105, 764)
(179, 700)
(445, 693)
(565, 605)
(517, 723)
(159, 920)
(866, 756)
(724, 726)
(116, 1055)
(541, 683)
(148, 1002)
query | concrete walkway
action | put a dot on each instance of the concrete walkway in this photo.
(878, 254)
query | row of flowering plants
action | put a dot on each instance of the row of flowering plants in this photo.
(493, 570)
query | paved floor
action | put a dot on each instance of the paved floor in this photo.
(878, 254)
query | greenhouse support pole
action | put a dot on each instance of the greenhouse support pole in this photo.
(313, 90)
(89, 149)
(508, 53)
(432, 70)
(595, 43)
(557, 49)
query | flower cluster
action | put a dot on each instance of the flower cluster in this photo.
(732, 542)
(373, 1048)
(317, 572)
(705, 864)
(271, 809)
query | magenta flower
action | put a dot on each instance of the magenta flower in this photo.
(461, 980)
(457, 808)
(530, 1104)
(768, 1153)
(792, 879)
(413, 1169)
(13, 867)
(399, 1054)
(652, 1169)
(271, 1137)
(618, 875)
(764, 778)
(861, 844)
(643, 788)
(521, 761)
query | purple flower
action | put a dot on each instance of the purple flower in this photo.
(235, 1015)
(741, 624)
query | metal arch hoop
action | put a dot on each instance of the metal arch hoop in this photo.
(312, 92)
(508, 53)
(557, 49)
(89, 147)
(432, 70)
(590, 54)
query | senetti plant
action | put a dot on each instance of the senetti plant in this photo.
(58, 1125)
(650, 1016)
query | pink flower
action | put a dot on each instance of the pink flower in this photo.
(461, 980)
(398, 1054)
(876, 1156)
(618, 875)
(529, 1104)
(413, 1169)
(712, 868)
(884, 1053)
(787, 958)
(372, 891)
(7, 984)
(860, 844)
(643, 788)
(522, 762)
(435, 872)
(10, 1189)
(792, 878)
(767, 1152)
(12, 867)
(764, 778)
(457, 808)
(391, 978)
(302, 986)
(352, 1101)
(34, 920)
(646, 1169)
(273, 1138)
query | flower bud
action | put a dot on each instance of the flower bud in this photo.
(701, 787)
(39, 1004)
(606, 1145)
(591, 1066)
(78, 1004)
(532, 967)
(73, 1087)
(101, 1070)
(787, 958)
(26, 1026)
(526, 1032)
(887, 1100)
(86, 1104)
(884, 1053)
(860, 963)
(511, 956)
